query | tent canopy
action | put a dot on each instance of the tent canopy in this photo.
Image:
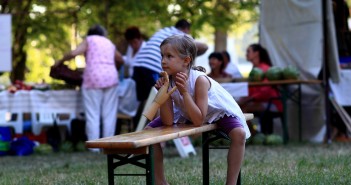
(293, 34)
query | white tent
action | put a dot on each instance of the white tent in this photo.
(292, 31)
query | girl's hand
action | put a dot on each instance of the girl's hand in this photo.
(161, 97)
(181, 82)
(159, 83)
(163, 84)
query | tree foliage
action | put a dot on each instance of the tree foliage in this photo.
(43, 30)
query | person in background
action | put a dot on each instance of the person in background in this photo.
(129, 104)
(217, 66)
(135, 42)
(197, 100)
(260, 96)
(147, 63)
(100, 81)
(230, 68)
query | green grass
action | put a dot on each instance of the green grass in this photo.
(291, 164)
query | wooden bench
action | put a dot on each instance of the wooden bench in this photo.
(123, 147)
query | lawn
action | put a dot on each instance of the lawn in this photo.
(290, 164)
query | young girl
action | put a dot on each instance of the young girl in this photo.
(197, 100)
(217, 66)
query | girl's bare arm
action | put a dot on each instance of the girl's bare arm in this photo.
(197, 107)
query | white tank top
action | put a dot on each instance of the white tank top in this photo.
(220, 102)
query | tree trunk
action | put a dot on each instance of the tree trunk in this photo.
(20, 39)
(220, 40)
(20, 67)
(19, 55)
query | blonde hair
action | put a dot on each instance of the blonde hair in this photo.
(186, 47)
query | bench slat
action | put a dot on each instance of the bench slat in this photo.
(151, 136)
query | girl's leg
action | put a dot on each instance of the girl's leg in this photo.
(160, 178)
(158, 156)
(235, 154)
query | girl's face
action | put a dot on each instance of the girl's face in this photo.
(215, 63)
(251, 54)
(172, 63)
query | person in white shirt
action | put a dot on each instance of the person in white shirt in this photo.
(135, 43)
(230, 68)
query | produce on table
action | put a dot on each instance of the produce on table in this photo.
(291, 73)
(274, 73)
(256, 75)
(57, 86)
(20, 85)
(41, 87)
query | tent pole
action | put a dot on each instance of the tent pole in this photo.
(326, 72)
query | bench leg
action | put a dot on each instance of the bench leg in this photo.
(110, 169)
(205, 159)
(128, 159)
(238, 182)
(150, 178)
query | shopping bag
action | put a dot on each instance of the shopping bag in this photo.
(63, 72)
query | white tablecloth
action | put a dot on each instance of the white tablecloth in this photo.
(237, 89)
(63, 100)
(341, 90)
(59, 101)
(70, 101)
(36, 101)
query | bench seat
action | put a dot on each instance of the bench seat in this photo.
(151, 136)
(121, 147)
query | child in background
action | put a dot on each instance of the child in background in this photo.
(230, 67)
(198, 100)
(217, 65)
(135, 42)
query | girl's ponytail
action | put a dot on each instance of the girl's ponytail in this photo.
(199, 68)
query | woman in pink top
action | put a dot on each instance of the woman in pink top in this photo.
(259, 96)
(100, 81)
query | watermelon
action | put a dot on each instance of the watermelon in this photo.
(274, 73)
(43, 149)
(81, 147)
(66, 147)
(256, 75)
(273, 139)
(291, 73)
(258, 139)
